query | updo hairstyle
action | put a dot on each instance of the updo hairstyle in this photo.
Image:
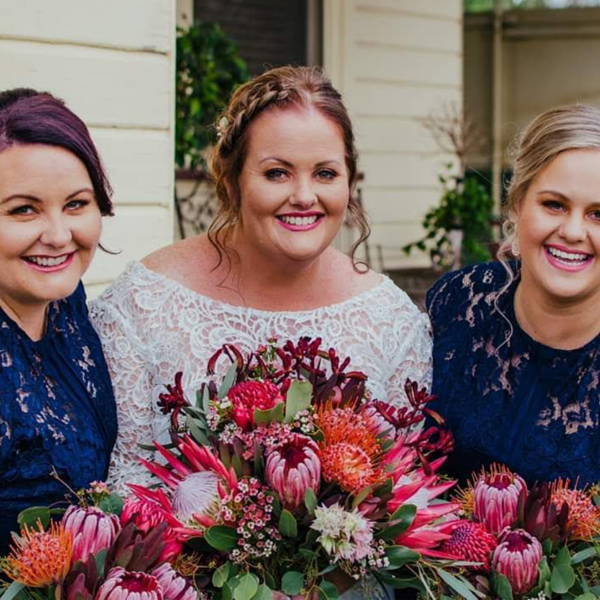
(277, 89)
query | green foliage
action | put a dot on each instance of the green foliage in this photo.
(467, 206)
(209, 68)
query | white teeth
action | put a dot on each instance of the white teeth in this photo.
(571, 256)
(47, 261)
(299, 221)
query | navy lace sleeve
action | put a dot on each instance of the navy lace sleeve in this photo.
(57, 410)
(506, 397)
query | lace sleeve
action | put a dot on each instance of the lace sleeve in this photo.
(413, 358)
(124, 352)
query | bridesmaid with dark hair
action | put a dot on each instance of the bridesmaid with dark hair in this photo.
(57, 410)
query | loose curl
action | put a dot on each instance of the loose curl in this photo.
(570, 127)
(276, 89)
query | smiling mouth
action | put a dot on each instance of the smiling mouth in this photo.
(47, 261)
(568, 258)
(299, 221)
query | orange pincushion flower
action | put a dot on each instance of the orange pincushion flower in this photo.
(350, 452)
(584, 516)
(40, 558)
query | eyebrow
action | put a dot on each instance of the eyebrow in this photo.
(289, 164)
(36, 199)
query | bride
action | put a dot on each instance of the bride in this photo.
(284, 167)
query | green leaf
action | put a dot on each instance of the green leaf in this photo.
(400, 555)
(226, 592)
(264, 417)
(586, 596)
(292, 583)
(563, 577)
(221, 537)
(246, 588)
(31, 516)
(583, 555)
(228, 381)
(112, 504)
(328, 591)
(502, 587)
(100, 559)
(563, 557)
(298, 398)
(460, 586)
(402, 583)
(221, 575)
(544, 571)
(196, 432)
(206, 400)
(400, 521)
(288, 526)
(361, 496)
(264, 593)
(12, 590)
(310, 501)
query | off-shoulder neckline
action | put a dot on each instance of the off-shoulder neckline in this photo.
(385, 283)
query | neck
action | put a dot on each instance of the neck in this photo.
(31, 319)
(282, 284)
(562, 325)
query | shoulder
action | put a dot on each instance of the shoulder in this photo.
(475, 285)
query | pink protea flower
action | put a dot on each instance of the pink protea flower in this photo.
(496, 498)
(197, 494)
(91, 530)
(293, 467)
(517, 557)
(123, 585)
(174, 586)
(470, 541)
(247, 396)
(149, 508)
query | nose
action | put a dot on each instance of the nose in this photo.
(572, 228)
(57, 232)
(303, 195)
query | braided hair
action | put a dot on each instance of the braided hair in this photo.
(279, 88)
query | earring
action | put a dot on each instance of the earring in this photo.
(514, 248)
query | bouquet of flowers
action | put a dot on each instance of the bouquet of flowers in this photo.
(93, 554)
(289, 474)
(538, 542)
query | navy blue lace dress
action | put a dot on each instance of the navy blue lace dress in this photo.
(57, 410)
(510, 399)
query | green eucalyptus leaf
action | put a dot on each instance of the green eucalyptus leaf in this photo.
(221, 575)
(328, 591)
(400, 555)
(310, 501)
(502, 587)
(458, 584)
(562, 578)
(298, 398)
(112, 504)
(288, 526)
(264, 593)
(246, 588)
(292, 583)
(583, 555)
(221, 537)
(228, 381)
(563, 557)
(31, 516)
(12, 590)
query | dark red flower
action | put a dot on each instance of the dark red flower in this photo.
(173, 400)
(247, 396)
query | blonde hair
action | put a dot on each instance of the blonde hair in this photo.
(279, 88)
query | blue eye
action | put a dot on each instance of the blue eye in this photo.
(553, 204)
(275, 174)
(25, 209)
(75, 204)
(327, 174)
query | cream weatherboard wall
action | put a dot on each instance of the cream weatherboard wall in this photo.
(113, 63)
(395, 61)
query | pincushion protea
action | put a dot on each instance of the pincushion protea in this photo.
(293, 467)
(583, 516)
(517, 557)
(470, 541)
(124, 585)
(496, 498)
(40, 558)
(91, 530)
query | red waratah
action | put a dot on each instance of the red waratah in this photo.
(293, 467)
(517, 557)
(496, 499)
(91, 530)
(470, 541)
(247, 396)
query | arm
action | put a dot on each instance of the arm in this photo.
(123, 347)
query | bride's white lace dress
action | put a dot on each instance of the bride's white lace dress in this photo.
(151, 327)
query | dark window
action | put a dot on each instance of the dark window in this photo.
(269, 33)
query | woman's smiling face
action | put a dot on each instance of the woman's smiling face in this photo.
(559, 228)
(50, 225)
(293, 186)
